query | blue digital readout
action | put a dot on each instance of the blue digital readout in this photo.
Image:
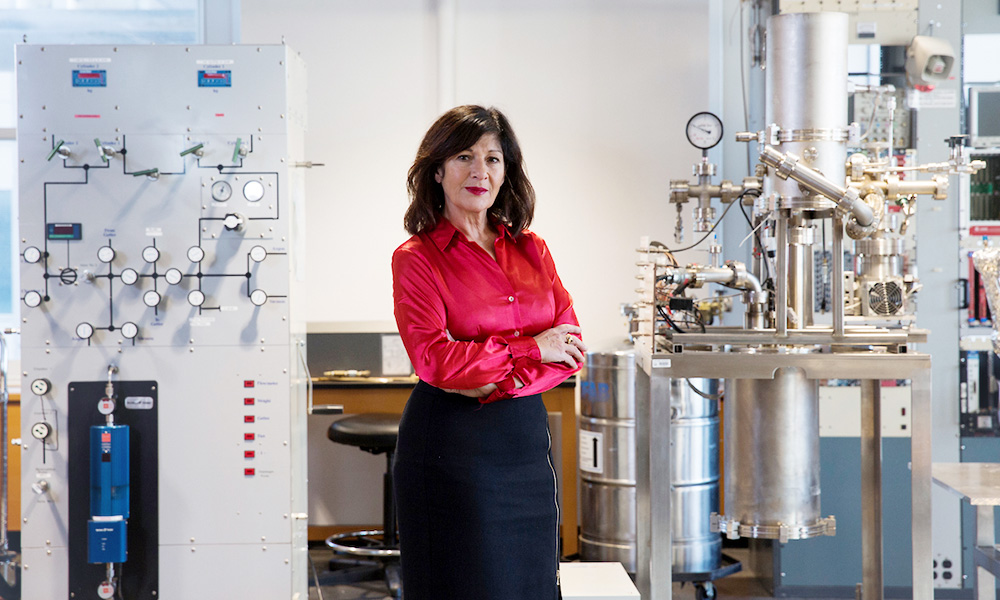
(215, 78)
(90, 78)
(64, 231)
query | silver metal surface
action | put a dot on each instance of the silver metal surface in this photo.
(871, 490)
(806, 83)
(772, 452)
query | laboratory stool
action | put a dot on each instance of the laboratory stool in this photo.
(374, 553)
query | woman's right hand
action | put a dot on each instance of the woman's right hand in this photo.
(560, 345)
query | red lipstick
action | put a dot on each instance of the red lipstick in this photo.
(477, 190)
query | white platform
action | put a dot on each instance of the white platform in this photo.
(596, 581)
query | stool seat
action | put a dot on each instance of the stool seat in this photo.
(374, 432)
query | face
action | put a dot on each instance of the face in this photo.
(472, 178)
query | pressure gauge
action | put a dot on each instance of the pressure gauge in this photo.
(704, 130)
(196, 298)
(84, 331)
(196, 254)
(258, 253)
(105, 254)
(32, 299)
(173, 276)
(258, 297)
(32, 255)
(129, 276)
(106, 406)
(41, 386)
(129, 330)
(151, 298)
(221, 191)
(150, 254)
(41, 430)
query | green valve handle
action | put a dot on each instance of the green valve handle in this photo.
(100, 149)
(192, 149)
(146, 172)
(236, 151)
(56, 149)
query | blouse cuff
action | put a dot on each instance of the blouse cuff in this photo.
(523, 347)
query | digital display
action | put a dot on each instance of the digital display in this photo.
(64, 231)
(90, 78)
(215, 78)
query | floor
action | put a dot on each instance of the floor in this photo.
(739, 586)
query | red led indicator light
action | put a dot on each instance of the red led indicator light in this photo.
(249, 419)
(248, 383)
(249, 453)
(249, 437)
(248, 401)
(249, 472)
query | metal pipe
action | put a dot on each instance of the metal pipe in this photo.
(838, 279)
(787, 166)
(871, 490)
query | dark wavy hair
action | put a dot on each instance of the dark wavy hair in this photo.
(455, 131)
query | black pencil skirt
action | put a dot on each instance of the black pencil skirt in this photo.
(476, 496)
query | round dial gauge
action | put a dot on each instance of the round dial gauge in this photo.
(173, 276)
(41, 430)
(129, 330)
(196, 298)
(196, 254)
(221, 191)
(258, 297)
(704, 130)
(258, 253)
(84, 331)
(32, 299)
(105, 254)
(40, 387)
(253, 191)
(150, 254)
(106, 406)
(151, 298)
(32, 255)
(129, 276)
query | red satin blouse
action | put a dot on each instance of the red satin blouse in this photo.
(468, 320)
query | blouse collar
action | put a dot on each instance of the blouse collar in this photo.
(444, 232)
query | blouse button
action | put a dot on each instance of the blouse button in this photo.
(517, 333)
(510, 298)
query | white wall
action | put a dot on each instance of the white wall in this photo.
(598, 93)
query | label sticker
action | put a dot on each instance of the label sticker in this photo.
(591, 452)
(139, 402)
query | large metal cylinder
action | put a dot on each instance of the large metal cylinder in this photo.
(607, 465)
(807, 97)
(772, 456)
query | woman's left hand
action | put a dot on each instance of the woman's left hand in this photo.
(486, 390)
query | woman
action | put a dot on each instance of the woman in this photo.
(488, 326)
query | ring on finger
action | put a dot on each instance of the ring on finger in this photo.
(569, 339)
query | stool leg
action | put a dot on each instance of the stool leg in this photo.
(389, 536)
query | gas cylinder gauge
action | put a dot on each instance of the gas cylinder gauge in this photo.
(704, 130)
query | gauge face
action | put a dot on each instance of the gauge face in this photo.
(704, 130)
(106, 406)
(129, 276)
(258, 253)
(84, 331)
(253, 191)
(151, 298)
(258, 297)
(221, 191)
(40, 387)
(41, 430)
(105, 254)
(150, 254)
(129, 330)
(32, 255)
(32, 299)
(196, 254)
(173, 276)
(196, 298)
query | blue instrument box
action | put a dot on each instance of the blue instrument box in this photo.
(106, 542)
